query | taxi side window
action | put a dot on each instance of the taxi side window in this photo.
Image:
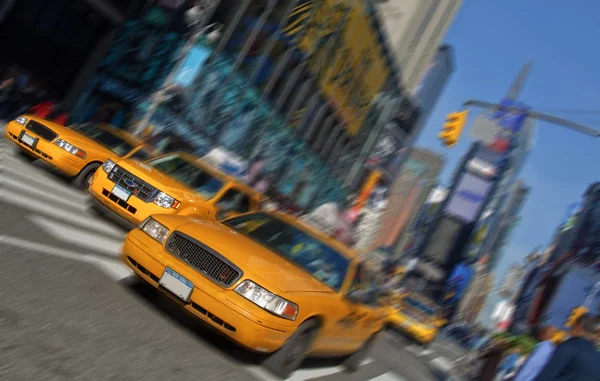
(234, 201)
(141, 155)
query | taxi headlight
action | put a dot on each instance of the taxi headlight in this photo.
(164, 200)
(70, 148)
(155, 230)
(22, 120)
(108, 166)
(267, 300)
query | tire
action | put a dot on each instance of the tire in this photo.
(82, 181)
(354, 361)
(289, 357)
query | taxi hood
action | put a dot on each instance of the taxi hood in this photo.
(259, 264)
(157, 179)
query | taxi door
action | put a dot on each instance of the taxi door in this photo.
(359, 314)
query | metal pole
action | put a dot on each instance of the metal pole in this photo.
(208, 9)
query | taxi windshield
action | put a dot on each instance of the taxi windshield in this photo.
(419, 305)
(189, 174)
(106, 139)
(305, 251)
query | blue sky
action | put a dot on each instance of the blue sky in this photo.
(492, 40)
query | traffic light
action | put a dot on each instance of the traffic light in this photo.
(452, 129)
(575, 314)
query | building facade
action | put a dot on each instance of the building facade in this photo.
(508, 221)
(58, 44)
(434, 81)
(415, 29)
(473, 301)
(297, 86)
(568, 280)
(512, 280)
(418, 178)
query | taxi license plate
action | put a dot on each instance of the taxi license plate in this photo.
(121, 192)
(28, 139)
(178, 285)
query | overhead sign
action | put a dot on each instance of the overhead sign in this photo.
(485, 130)
(344, 53)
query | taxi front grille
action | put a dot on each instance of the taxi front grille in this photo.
(138, 187)
(208, 262)
(41, 130)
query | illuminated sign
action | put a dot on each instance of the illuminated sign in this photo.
(481, 167)
(344, 54)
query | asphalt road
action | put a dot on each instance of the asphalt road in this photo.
(70, 311)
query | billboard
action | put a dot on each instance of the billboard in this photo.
(443, 239)
(344, 53)
(468, 198)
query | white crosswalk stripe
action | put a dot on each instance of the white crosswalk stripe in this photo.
(59, 210)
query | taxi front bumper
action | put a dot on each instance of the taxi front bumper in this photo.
(44, 150)
(218, 307)
(133, 210)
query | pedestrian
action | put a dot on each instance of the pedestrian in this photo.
(539, 356)
(492, 357)
(509, 364)
(575, 358)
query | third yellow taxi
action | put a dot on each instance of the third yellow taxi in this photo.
(264, 280)
(418, 317)
(176, 183)
(75, 151)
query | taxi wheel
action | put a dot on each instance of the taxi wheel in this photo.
(289, 357)
(354, 361)
(82, 180)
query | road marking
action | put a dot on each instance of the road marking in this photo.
(82, 220)
(302, 374)
(42, 179)
(112, 268)
(79, 237)
(415, 350)
(442, 363)
(19, 186)
(426, 352)
(390, 376)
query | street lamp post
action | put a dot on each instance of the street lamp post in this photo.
(197, 18)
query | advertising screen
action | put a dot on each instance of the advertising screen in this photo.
(469, 197)
(443, 240)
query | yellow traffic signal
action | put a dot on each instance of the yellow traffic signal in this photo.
(452, 129)
(575, 314)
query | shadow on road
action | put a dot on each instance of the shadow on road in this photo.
(204, 333)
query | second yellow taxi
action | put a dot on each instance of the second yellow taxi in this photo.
(264, 281)
(176, 183)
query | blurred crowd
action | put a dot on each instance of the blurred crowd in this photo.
(576, 358)
(18, 96)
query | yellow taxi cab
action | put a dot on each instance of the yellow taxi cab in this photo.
(417, 317)
(263, 281)
(176, 183)
(75, 151)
